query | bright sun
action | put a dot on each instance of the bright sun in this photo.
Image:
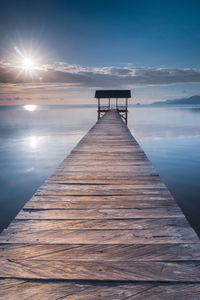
(28, 63)
(27, 60)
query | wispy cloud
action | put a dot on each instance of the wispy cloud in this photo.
(108, 77)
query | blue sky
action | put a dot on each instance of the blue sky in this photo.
(147, 35)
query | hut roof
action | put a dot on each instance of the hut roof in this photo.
(113, 94)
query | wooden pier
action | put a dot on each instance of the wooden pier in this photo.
(103, 226)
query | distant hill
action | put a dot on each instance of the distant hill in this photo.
(191, 100)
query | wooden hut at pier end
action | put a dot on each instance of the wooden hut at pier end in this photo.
(113, 94)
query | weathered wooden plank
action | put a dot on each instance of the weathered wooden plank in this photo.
(118, 171)
(156, 224)
(107, 156)
(26, 289)
(83, 159)
(93, 252)
(101, 270)
(147, 196)
(161, 212)
(100, 172)
(92, 189)
(114, 180)
(54, 203)
(85, 236)
(135, 194)
(118, 174)
(123, 147)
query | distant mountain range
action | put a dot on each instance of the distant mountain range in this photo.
(191, 100)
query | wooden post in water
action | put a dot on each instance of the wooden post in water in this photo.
(103, 226)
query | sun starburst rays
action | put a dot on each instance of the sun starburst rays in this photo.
(27, 61)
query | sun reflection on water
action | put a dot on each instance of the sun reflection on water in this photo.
(34, 141)
(30, 107)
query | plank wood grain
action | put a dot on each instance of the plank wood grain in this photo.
(101, 270)
(71, 203)
(93, 252)
(25, 290)
(121, 213)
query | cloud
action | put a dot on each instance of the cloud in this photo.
(108, 77)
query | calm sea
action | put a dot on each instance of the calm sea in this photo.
(33, 143)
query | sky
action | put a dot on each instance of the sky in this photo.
(59, 52)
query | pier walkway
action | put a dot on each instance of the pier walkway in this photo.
(103, 226)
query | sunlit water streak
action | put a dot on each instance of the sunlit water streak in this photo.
(30, 107)
(33, 143)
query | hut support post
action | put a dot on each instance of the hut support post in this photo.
(98, 108)
(126, 113)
